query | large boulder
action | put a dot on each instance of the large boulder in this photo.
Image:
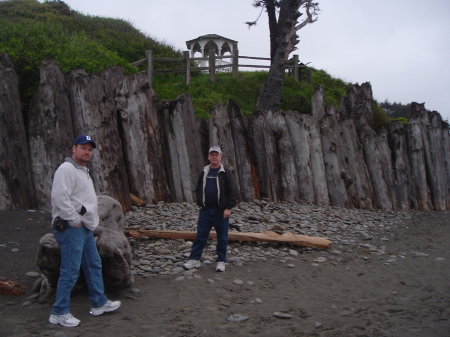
(112, 245)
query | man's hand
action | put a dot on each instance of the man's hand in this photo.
(226, 213)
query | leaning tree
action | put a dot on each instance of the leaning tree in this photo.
(284, 22)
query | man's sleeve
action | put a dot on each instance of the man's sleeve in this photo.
(198, 189)
(232, 190)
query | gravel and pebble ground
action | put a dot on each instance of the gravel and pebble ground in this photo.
(386, 275)
(351, 230)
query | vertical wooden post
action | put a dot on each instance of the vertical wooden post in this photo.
(212, 65)
(149, 55)
(235, 68)
(187, 65)
(296, 72)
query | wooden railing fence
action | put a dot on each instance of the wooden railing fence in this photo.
(294, 67)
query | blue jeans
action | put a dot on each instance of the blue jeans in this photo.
(77, 247)
(208, 218)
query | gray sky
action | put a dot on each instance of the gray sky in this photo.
(402, 47)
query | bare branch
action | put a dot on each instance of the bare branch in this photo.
(253, 23)
(312, 9)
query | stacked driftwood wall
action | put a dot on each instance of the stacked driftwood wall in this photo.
(333, 156)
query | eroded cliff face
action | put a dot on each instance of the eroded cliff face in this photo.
(333, 156)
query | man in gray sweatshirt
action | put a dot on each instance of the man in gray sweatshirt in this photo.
(75, 217)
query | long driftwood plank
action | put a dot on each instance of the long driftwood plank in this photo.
(268, 236)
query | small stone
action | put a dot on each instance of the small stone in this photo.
(186, 245)
(60, 334)
(335, 252)
(257, 301)
(180, 278)
(290, 265)
(189, 272)
(237, 318)
(320, 259)
(163, 251)
(347, 312)
(15, 250)
(238, 282)
(135, 290)
(293, 252)
(33, 274)
(419, 254)
(280, 314)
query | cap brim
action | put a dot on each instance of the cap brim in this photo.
(88, 142)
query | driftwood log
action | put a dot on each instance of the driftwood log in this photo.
(268, 236)
(112, 245)
(9, 287)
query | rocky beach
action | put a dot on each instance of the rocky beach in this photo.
(386, 274)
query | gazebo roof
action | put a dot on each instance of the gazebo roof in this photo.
(208, 37)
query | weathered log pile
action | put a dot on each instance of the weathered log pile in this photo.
(16, 188)
(155, 151)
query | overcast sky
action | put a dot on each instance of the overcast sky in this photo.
(402, 47)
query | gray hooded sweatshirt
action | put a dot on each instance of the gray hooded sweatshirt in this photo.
(73, 188)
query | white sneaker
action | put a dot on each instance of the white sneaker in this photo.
(192, 264)
(65, 320)
(220, 266)
(107, 307)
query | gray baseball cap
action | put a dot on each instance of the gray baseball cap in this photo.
(215, 148)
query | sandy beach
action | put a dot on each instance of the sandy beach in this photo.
(404, 293)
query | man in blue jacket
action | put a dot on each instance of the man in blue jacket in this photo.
(75, 217)
(216, 194)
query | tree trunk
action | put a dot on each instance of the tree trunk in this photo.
(183, 156)
(405, 194)
(16, 188)
(94, 113)
(140, 133)
(49, 113)
(245, 159)
(286, 39)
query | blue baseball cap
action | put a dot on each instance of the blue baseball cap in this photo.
(83, 139)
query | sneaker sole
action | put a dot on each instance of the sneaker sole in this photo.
(98, 313)
(196, 266)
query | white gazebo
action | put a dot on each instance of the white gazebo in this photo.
(219, 44)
